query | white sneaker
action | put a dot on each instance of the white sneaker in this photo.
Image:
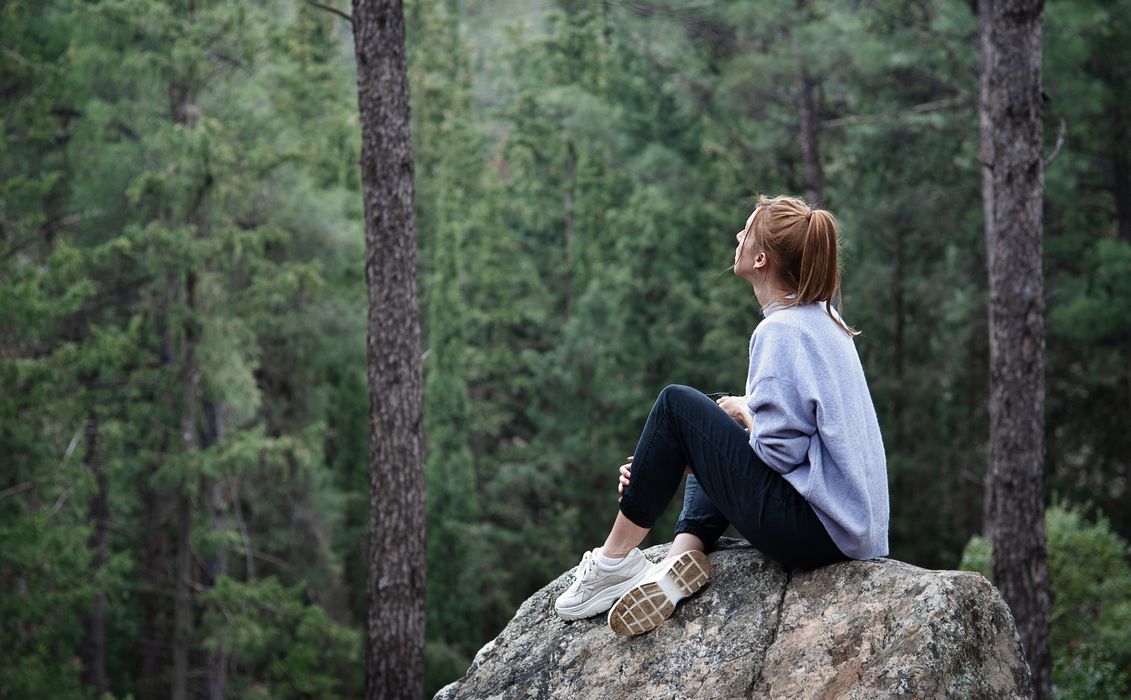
(647, 604)
(596, 587)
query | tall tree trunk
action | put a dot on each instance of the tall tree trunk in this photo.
(154, 572)
(1121, 168)
(810, 139)
(394, 656)
(216, 493)
(182, 600)
(94, 623)
(809, 126)
(154, 575)
(1012, 120)
(897, 346)
(567, 207)
(182, 590)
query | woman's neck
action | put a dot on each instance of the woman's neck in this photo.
(770, 293)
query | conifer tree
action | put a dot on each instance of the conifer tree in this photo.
(1013, 187)
(395, 621)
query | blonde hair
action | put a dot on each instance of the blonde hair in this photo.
(804, 245)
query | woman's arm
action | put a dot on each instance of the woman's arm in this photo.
(786, 423)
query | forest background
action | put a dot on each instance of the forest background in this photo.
(183, 408)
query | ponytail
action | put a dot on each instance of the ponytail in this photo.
(819, 274)
(805, 243)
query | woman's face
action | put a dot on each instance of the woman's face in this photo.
(744, 253)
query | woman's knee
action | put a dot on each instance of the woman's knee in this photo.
(677, 393)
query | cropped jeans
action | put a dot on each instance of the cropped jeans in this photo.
(729, 484)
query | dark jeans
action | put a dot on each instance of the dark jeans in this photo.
(729, 483)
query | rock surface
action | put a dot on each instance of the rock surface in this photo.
(870, 629)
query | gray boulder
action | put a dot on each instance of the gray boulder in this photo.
(871, 629)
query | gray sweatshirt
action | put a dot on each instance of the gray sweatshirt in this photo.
(814, 423)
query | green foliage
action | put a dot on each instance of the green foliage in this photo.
(1091, 602)
(288, 647)
(42, 607)
(182, 277)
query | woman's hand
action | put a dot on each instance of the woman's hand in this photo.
(625, 475)
(735, 406)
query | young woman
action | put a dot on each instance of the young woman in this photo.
(797, 464)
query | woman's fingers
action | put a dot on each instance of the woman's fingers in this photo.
(625, 475)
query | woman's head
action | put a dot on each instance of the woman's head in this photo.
(789, 248)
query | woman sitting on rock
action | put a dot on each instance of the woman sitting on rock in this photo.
(796, 465)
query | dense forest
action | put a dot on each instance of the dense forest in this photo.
(184, 491)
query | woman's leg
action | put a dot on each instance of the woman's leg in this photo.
(659, 463)
(700, 519)
(685, 427)
(685, 542)
(699, 526)
(623, 537)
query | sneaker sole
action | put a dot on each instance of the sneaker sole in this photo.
(646, 606)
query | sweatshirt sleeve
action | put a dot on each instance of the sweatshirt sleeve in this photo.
(782, 426)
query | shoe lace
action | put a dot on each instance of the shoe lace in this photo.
(588, 563)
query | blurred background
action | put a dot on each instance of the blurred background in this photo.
(183, 408)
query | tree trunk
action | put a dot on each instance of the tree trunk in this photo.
(182, 600)
(94, 623)
(1012, 120)
(1121, 169)
(182, 590)
(154, 575)
(216, 493)
(567, 208)
(395, 621)
(810, 140)
(154, 569)
(897, 346)
(809, 126)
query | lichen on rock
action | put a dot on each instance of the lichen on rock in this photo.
(857, 629)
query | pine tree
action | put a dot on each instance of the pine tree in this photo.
(1013, 186)
(395, 623)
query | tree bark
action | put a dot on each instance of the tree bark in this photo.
(567, 209)
(182, 590)
(897, 346)
(1121, 168)
(1012, 121)
(809, 126)
(810, 140)
(216, 493)
(94, 622)
(396, 583)
(154, 569)
(182, 600)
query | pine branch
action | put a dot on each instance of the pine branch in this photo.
(335, 10)
(1059, 143)
(932, 106)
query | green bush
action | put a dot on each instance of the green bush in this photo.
(1091, 602)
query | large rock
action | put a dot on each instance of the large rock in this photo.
(871, 629)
